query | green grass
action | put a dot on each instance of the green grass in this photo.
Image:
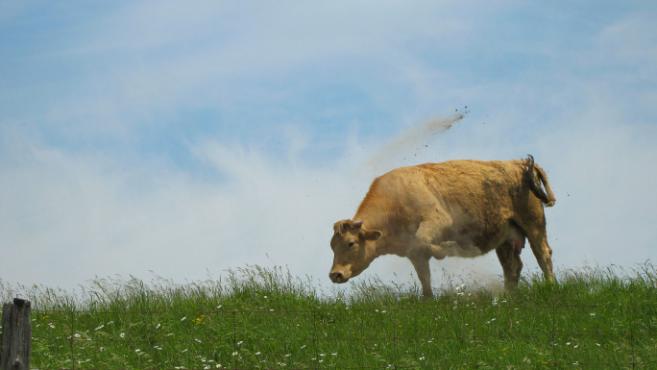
(263, 319)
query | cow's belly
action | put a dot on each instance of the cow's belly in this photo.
(455, 249)
(472, 244)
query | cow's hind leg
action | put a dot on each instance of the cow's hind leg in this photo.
(538, 241)
(421, 263)
(509, 256)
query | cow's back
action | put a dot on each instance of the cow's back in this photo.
(477, 198)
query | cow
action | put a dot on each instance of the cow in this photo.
(463, 208)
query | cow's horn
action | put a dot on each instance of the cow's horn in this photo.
(357, 224)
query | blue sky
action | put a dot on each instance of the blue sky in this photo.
(177, 137)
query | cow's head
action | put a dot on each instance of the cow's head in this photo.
(353, 249)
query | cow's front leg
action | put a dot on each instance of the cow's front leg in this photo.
(421, 264)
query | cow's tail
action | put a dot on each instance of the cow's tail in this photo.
(538, 182)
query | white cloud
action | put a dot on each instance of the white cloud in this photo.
(70, 216)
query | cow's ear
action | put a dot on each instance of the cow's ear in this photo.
(371, 234)
(339, 227)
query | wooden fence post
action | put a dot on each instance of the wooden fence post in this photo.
(16, 336)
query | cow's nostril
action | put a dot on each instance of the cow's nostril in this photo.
(336, 277)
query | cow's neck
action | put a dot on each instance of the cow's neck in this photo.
(374, 221)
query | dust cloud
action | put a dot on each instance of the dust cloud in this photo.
(409, 142)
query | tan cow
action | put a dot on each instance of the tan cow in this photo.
(459, 208)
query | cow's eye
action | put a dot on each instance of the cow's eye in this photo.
(352, 244)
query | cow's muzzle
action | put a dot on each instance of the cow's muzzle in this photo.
(338, 277)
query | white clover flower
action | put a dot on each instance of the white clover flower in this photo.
(183, 318)
(122, 335)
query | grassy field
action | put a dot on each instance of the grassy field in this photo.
(263, 319)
